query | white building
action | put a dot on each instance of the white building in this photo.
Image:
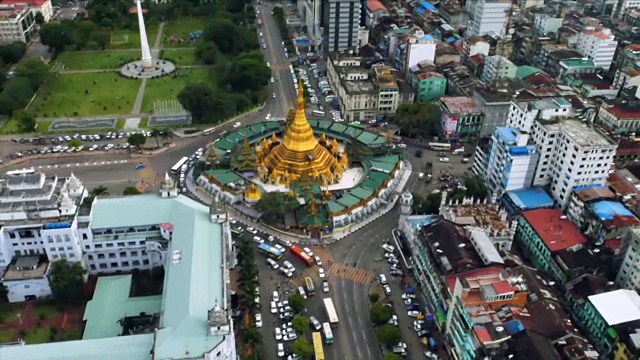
(341, 24)
(17, 23)
(419, 50)
(545, 23)
(192, 316)
(497, 67)
(511, 162)
(523, 114)
(621, 8)
(310, 11)
(487, 16)
(629, 273)
(598, 44)
(571, 154)
(37, 6)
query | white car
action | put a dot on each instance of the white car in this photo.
(386, 247)
(279, 247)
(413, 313)
(276, 296)
(408, 296)
(237, 125)
(444, 159)
(393, 261)
(389, 255)
(271, 238)
(274, 95)
(280, 350)
(289, 337)
(387, 290)
(308, 251)
(252, 230)
(272, 80)
(288, 265)
(321, 273)
(318, 261)
(288, 273)
(383, 279)
(274, 308)
(325, 286)
(278, 333)
(258, 320)
(268, 116)
(283, 303)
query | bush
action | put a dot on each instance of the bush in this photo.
(374, 297)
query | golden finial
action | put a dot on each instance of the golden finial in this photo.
(300, 95)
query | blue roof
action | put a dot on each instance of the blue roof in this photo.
(607, 210)
(421, 220)
(580, 188)
(451, 40)
(420, 10)
(508, 134)
(521, 150)
(302, 42)
(530, 198)
(426, 37)
(427, 5)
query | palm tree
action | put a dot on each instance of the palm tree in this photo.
(100, 190)
(156, 134)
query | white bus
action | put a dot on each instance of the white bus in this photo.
(176, 168)
(318, 113)
(331, 311)
(328, 334)
(439, 146)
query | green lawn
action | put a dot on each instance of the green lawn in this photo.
(72, 334)
(44, 311)
(167, 88)
(130, 39)
(11, 126)
(120, 123)
(86, 95)
(75, 60)
(176, 33)
(180, 57)
(6, 335)
(144, 123)
(37, 336)
(9, 312)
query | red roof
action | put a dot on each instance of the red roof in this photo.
(34, 3)
(482, 333)
(502, 287)
(482, 272)
(375, 5)
(554, 229)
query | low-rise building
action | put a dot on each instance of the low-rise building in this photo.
(517, 201)
(545, 23)
(497, 67)
(460, 80)
(461, 117)
(583, 196)
(629, 273)
(429, 85)
(17, 23)
(549, 57)
(37, 6)
(576, 66)
(511, 163)
(494, 104)
(620, 116)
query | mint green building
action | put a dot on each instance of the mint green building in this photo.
(429, 85)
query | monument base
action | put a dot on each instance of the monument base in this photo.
(138, 70)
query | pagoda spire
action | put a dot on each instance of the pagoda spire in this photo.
(300, 95)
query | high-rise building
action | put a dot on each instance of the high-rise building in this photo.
(621, 8)
(598, 44)
(341, 24)
(487, 16)
(629, 272)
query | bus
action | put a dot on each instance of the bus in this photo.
(318, 113)
(302, 255)
(439, 146)
(317, 345)
(271, 251)
(331, 311)
(176, 168)
(328, 334)
(310, 288)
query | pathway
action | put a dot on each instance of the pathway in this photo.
(97, 118)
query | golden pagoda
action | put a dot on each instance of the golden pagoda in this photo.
(252, 194)
(299, 154)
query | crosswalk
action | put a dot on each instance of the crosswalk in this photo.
(344, 271)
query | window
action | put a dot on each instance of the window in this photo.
(84, 236)
(134, 253)
(125, 264)
(114, 264)
(103, 266)
(109, 245)
(123, 254)
(92, 267)
(136, 263)
(98, 246)
(100, 256)
(112, 256)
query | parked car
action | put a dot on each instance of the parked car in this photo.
(396, 272)
(325, 286)
(274, 265)
(408, 296)
(393, 261)
(318, 260)
(276, 296)
(383, 279)
(278, 333)
(257, 240)
(413, 313)
(388, 248)
(308, 251)
(258, 320)
(387, 290)
(274, 308)
(321, 273)
(280, 350)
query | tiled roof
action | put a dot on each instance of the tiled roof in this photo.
(554, 229)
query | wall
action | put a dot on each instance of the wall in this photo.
(17, 290)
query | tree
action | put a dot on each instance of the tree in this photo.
(39, 18)
(300, 324)
(3, 294)
(13, 52)
(56, 35)
(155, 133)
(297, 303)
(421, 118)
(131, 190)
(101, 38)
(274, 205)
(374, 297)
(252, 336)
(74, 143)
(207, 52)
(247, 73)
(19, 89)
(99, 190)
(380, 314)
(33, 69)
(476, 187)
(196, 98)
(426, 205)
(137, 140)
(27, 121)
(302, 348)
(66, 282)
(7, 104)
(389, 335)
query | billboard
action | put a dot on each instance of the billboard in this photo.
(450, 124)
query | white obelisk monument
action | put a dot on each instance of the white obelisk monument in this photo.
(147, 62)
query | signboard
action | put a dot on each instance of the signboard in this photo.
(450, 124)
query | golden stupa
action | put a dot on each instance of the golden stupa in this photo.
(252, 194)
(299, 155)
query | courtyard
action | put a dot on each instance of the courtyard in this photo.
(39, 322)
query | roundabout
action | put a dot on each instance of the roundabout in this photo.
(305, 178)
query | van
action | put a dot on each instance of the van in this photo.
(316, 324)
(302, 292)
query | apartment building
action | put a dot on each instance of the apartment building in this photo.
(192, 315)
(429, 85)
(311, 12)
(511, 163)
(522, 114)
(620, 116)
(629, 273)
(341, 24)
(497, 67)
(598, 44)
(461, 117)
(572, 154)
(37, 6)
(366, 94)
(17, 23)
(622, 8)
(546, 23)
(487, 16)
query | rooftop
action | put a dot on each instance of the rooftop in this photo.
(578, 62)
(554, 229)
(525, 71)
(623, 184)
(530, 198)
(614, 213)
(580, 133)
(375, 5)
(194, 283)
(622, 109)
(618, 306)
(483, 215)
(26, 267)
(589, 193)
(456, 254)
(460, 105)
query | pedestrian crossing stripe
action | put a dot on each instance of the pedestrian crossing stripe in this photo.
(362, 276)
